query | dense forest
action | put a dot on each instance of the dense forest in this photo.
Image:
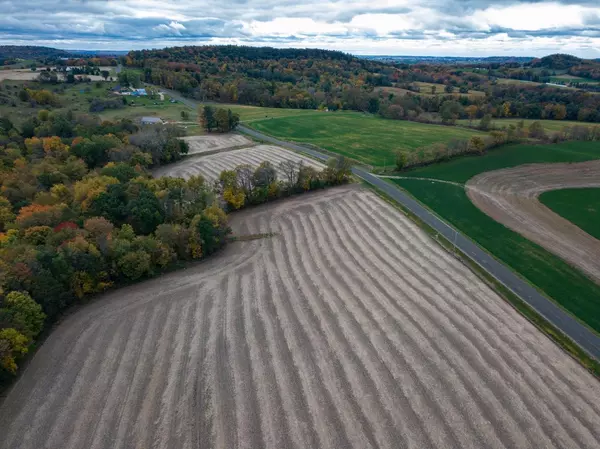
(311, 79)
(80, 213)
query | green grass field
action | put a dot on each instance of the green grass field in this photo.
(566, 78)
(368, 139)
(559, 280)
(254, 113)
(514, 81)
(426, 89)
(549, 125)
(579, 206)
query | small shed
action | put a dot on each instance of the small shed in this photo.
(151, 121)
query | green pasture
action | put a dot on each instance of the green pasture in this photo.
(549, 125)
(579, 206)
(255, 113)
(366, 138)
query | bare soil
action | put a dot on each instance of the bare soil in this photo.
(211, 166)
(350, 328)
(213, 143)
(510, 196)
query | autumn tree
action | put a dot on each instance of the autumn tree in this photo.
(401, 160)
(486, 122)
(13, 345)
(536, 130)
(6, 214)
(23, 313)
(477, 143)
(206, 117)
(264, 175)
(471, 111)
(88, 190)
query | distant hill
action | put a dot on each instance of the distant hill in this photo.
(226, 53)
(94, 53)
(557, 61)
(30, 52)
(450, 60)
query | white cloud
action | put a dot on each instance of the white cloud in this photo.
(454, 27)
(534, 17)
(383, 24)
(173, 28)
(292, 26)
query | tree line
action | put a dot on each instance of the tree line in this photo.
(245, 185)
(479, 145)
(309, 80)
(219, 119)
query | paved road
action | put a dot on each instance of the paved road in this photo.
(579, 333)
(587, 339)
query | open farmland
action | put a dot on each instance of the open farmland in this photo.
(365, 138)
(256, 113)
(579, 206)
(510, 196)
(549, 125)
(440, 89)
(211, 166)
(564, 283)
(77, 98)
(349, 328)
(29, 75)
(215, 142)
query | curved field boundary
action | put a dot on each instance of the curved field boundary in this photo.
(510, 196)
(215, 142)
(350, 328)
(211, 166)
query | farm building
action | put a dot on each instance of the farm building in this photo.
(151, 121)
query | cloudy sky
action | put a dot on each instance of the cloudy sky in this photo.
(393, 27)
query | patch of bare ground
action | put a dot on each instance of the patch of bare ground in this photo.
(348, 328)
(211, 166)
(215, 142)
(510, 196)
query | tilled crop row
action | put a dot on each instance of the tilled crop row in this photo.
(348, 328)
(211, 166)
(212, 142)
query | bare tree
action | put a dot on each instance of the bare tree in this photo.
(245, 175)
(290, 170)
(265, 174)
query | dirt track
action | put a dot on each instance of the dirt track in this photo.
(211, 166)
(510, 196)
(348, 329)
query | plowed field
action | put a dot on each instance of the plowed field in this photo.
(510, 196)
(212, 165)
(350, 328)
(213, 143)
